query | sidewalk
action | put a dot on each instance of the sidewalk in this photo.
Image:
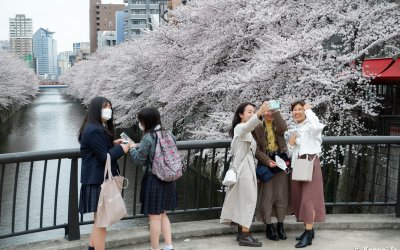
(364, 232)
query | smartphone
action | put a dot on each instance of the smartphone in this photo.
(274, 104)
(126, 138)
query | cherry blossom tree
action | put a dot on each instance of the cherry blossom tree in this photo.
(18, 83)
(216, 54)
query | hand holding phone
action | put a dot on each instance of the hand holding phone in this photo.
(126, 138)
(274, 104)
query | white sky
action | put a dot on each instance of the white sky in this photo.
(69, 19)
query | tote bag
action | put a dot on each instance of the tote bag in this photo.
(111, 206)
(303, 169)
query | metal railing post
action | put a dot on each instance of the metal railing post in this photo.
(72, 231)
(398, 192)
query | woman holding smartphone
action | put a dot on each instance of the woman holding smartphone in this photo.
(241, 198)
(96, 139)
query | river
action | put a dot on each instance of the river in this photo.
(51, 121)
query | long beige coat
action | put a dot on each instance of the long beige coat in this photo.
(241, 198)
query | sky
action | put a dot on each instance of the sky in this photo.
(69, 19)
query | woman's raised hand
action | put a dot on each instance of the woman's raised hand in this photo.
(264, 107)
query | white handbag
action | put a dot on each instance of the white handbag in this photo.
(303, 169)
(230, 178)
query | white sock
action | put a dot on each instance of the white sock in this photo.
(168, 247)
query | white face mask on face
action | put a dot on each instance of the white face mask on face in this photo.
(141, 126)
(106, 114)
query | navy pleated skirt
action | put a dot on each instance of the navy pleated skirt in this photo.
(157, 196)
(89, 197)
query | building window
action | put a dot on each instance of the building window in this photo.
(139, 12)
(140, 21)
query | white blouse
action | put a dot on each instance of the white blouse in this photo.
(309, 137)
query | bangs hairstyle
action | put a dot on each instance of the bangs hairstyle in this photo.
(236, 118)
(94, 116)
(150, 118)
(293, 104)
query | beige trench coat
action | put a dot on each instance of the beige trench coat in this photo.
(241, 198)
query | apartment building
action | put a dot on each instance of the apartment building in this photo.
(20, 32)
(141, 15)
(101, 18)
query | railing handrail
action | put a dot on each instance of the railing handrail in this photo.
(185, 145)
(330, 140)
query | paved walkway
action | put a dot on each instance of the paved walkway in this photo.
(363, 232)
(325, 240)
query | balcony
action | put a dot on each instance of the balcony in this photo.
(138, 26)
(138, 16)
(138, 6)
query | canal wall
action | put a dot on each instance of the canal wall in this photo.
(7, 113)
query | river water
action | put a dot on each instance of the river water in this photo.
(51, 121)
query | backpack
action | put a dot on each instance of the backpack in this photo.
(167, 163)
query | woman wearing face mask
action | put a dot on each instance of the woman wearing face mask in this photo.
(156, 196)
(96, 139)
(307, 197)
(241, 198)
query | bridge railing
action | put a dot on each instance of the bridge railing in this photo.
(39, 191)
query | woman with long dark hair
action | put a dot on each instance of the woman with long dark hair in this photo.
(156, 196)
(241, 198)
(96, 137)
(307, 197)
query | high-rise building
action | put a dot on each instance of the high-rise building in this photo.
(45, 54)
(81, 52)
(106, 39)
(20, 31)
(120, 26)
(76, 47)
(140, 16)
(64, 62)
(4, 45)
(101, 18)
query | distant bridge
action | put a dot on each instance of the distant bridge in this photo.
(52, 86)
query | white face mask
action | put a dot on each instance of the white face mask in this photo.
(141, 126)
(106, 114)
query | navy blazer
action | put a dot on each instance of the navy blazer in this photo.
(95, 144)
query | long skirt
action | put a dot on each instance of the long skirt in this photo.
(157, 196)
(273, 198)
(308, 197)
